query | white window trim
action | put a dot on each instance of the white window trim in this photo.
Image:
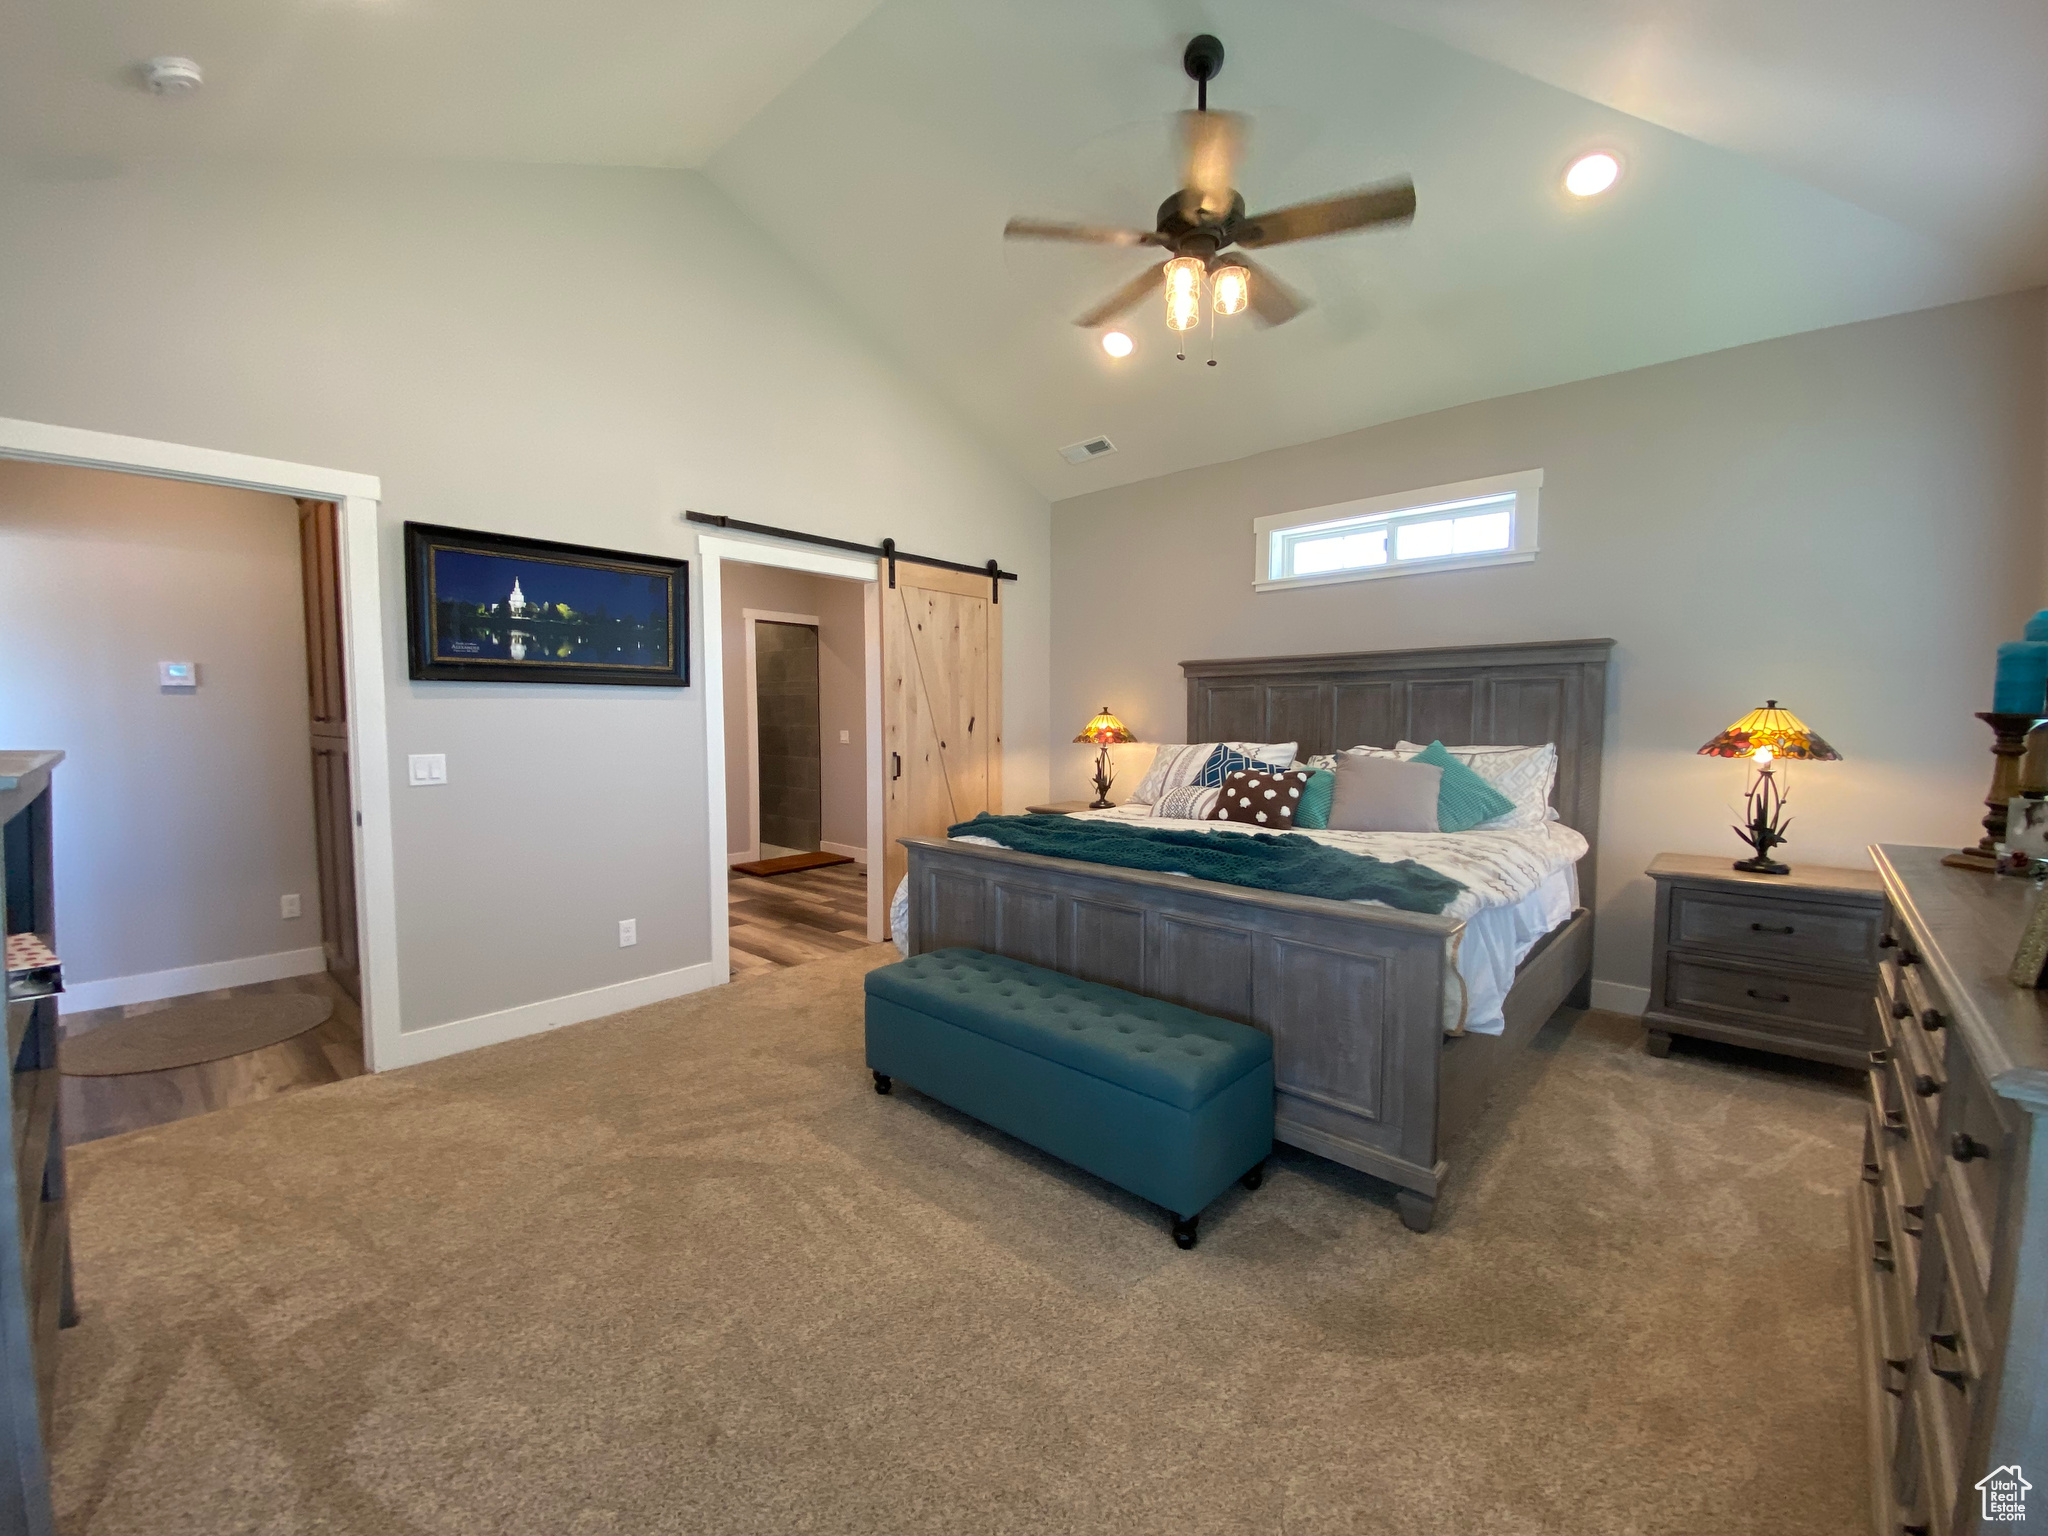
(1526, 484)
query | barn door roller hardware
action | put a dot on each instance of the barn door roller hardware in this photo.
(886, 551)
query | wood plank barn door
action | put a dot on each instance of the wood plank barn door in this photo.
(327, 694)
(942, 707)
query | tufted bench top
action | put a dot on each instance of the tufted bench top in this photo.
(1161, 1050)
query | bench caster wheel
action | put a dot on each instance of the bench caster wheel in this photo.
(1417, 1210)
(1184, 1230)
(883, 1082)
(1255, 1178)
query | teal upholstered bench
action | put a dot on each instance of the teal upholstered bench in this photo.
(1168, 1103)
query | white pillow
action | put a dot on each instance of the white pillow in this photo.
(1175, 766)
(1526, 775)
(1191, 802)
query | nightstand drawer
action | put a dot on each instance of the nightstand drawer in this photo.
(1824, 1012)
(1801, 933)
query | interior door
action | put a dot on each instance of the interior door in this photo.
(327, 695)
(942, 707)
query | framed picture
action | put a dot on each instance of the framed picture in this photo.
(484, 607)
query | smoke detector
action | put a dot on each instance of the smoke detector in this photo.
(1081, 453)
(171, 77)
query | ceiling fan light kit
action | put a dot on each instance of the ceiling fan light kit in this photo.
(1199, 224)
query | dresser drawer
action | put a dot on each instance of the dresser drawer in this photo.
(1972, 1149)
(1775, 928)
(1833, 1013)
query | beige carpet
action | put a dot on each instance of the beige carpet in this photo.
(186, 1034)
(683, 1270)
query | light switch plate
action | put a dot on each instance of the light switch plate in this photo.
(288, 906)
(427, 768)
(846, 738)
(629, 932)
(178, 676)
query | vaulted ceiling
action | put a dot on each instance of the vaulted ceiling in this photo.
(1787, 167)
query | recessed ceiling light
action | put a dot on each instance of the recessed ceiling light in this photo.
(1116, 344)
(1591, 175)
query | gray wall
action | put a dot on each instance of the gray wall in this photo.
(561, 352)
(181, 817)
(842, 693)
(1847, 521)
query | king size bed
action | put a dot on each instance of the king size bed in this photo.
(1367, 1007)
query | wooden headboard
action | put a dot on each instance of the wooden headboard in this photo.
(1462, 695)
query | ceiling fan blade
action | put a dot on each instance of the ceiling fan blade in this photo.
(1272, 301)
(1211, 145)
(1087, 234)
(1130, 296)
(1391, 202)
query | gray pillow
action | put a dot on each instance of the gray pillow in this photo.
(1383, 794)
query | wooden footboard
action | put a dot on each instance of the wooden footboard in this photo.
(1351, 994)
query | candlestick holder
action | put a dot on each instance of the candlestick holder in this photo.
(2008, 746)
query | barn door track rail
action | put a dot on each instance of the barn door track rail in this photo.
(885, 551)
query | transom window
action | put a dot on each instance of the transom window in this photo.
(1445, 527)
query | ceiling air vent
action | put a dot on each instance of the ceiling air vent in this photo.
(1081, 453)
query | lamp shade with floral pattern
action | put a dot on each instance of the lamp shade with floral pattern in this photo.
(1105, 730)
(1784, 733)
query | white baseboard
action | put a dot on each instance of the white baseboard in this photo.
(1618, 997)
(154, 986)
(418, 1045)
(855, 851)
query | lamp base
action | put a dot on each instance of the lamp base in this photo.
(1762, 866)
(1100, 805)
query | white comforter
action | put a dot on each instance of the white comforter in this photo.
(1519, 884)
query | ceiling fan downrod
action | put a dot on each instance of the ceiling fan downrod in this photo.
(1203, 61)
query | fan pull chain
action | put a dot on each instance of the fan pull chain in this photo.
(1212, 337)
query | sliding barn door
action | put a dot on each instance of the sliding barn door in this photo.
(942, 706)
(333, 812)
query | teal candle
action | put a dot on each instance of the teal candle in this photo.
(2037, 627)
(2022, 683)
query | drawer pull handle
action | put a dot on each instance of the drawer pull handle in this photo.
(1872, 1174)
(1931, 1020)
(1901, 1009)
(1880, 1056)
(1887, 941)
(1770, 997)
(1925, 1086)
(1919, 1214)
(1946, 1341)
(1907, 957)
(896, 761)
(1964, 1147)
(1899, 1366)
(1895, 1122)
(1765, 928)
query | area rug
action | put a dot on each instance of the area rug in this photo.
(189, 1033)
(683, 1270)
(790, 864)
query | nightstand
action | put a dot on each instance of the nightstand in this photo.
(1783, 963)
(1056, 808)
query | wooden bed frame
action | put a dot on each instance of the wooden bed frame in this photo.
(1351, 994)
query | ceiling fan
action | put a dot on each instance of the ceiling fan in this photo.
(1205, 229)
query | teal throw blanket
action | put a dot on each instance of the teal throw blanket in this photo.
(1265, 861)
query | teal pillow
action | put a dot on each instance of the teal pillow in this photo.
(1463, 799)
(1314, 810)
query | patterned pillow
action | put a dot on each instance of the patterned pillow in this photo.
(1261, 796)
(1191, 802)
(1175, 766)
(1526, 775)
(1221, 764)
(1464, 799)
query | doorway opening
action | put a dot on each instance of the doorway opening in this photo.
(796, 680)
(321, 649)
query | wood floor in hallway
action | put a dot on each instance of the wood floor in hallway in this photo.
(791, 919)
(93, 1107)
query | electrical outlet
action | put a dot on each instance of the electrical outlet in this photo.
(423, 768)
(846, 738)
(288, 906)
(629, 932)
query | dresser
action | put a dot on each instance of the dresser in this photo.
(1950, 1223)
(1783, 963)
(35, 1250)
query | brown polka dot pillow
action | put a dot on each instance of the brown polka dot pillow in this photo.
(1265, 797)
